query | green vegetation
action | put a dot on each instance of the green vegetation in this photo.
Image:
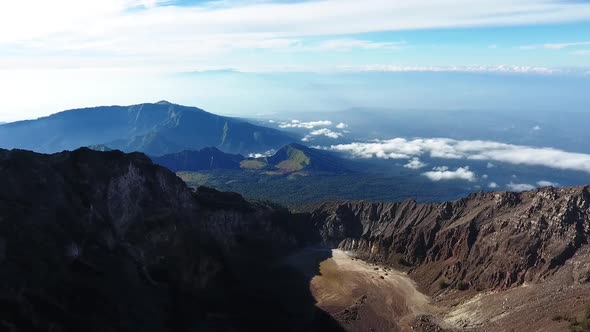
(252, 164)
(461, 285)
(443, 284)
(582, 325)
(300, 190)
(297, 160)
(575, 325)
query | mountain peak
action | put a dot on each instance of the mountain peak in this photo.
(296, 157)
(164, 102)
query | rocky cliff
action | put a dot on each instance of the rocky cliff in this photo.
(106, 241)
(484, 241)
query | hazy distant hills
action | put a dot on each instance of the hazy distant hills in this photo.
(155, 129)
(291, 158)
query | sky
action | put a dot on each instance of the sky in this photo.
(64, 54)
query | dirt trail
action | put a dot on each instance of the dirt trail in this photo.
(368, 297)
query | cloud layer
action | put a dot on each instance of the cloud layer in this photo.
(162, 32)
(306, 125)
(415, 163)
(445, 148)
(518, 187)
(444, 174)
(322, 132)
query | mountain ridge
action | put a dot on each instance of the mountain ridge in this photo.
(156, 129)
(86, 236)
(292, 158)
(108, 241)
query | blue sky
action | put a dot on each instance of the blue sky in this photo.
(70, 53)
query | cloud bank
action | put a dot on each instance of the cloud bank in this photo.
(444, 174)
(445, 148)
(519, 187)
(306, 125)
(322, 132)
(415, 163)
(167, 33)
(544, 183)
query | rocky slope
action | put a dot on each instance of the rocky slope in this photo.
(106, 241)
(484, 241)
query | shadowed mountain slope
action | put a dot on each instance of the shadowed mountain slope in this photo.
(107, 241)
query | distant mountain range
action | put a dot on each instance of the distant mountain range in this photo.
(291, 158)
(155, 129)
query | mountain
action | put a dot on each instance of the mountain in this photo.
(204, 159)
(291, 158)
(107, 241)
(299, 158)
(100, 147)
(525, 255)
(155, 129)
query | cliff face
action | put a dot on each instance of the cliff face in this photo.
(484, 241)
(106, 241)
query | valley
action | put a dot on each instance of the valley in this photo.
(368, 297)
(373, 297)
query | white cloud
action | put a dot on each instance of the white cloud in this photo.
(415, 163)
(351, 44)
(445, 148)
(490, 165)
(341, 125)
(326, 132)
(322, 132)
(444, 174)
(544, 183)
(536, 128)
(168, 35)
(581, 52)
(261, 155)
(554, 46)
(509, 69)
(519, 187)
(485, 176)
(306, 125)
(493, 185)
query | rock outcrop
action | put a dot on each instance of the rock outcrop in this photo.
(107, 241)
(484, 241)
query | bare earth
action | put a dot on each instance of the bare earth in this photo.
(369, 297)
(366, 297)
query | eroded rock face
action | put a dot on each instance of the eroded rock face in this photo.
(484, 241)
(106, 241)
